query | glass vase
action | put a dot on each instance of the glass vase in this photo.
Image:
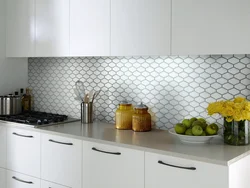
(236, 133)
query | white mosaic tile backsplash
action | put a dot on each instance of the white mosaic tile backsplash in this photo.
(172, 87)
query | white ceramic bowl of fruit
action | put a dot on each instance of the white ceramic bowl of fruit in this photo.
(195, 131)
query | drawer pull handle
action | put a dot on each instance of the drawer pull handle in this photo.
(186, 168)
(22, 135)
(69, 144)
(17, 179)
(107, 152)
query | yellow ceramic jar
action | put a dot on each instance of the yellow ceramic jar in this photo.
(123, 116)
(141, 119)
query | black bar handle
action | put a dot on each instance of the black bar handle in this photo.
(69, 144)
(17, 179)
(186, 168)
(107, 152)
(22, 135)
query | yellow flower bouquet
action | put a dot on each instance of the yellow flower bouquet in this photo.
(237, 109)
(236, 114)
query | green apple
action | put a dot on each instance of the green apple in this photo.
(203, 125)
(187, 123)
(204, 133)
(180, 128)
(201, 120)
(189, 132)
(199, 123)
(193, 119)
(215, 126)
(212, 129)
(197, 130)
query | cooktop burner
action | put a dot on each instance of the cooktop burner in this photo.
(37, 119)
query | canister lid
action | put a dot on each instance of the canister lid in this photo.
(125, 103)
(141, 106)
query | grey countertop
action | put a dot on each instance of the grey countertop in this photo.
(157, 141)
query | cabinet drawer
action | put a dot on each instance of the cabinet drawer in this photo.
(166, 171)
(2, 146)
(61, 160)
(46, 184)
(23, 151)
(2, 178)
(17, 180)
(112, 166)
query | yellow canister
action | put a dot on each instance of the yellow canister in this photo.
(123, 116)
(141, 119)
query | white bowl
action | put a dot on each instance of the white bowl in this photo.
(192, 139)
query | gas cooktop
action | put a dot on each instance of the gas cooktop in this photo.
(37, 119)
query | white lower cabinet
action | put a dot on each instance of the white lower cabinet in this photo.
(23, 151)
(2, 147)
(166, 171)
(46, 184)
(61, 160)
(106, 166)
(17, 180)
(2, 178)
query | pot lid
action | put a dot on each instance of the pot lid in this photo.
(125, 102)
(141, 106)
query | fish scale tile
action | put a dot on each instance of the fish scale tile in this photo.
(173, 87)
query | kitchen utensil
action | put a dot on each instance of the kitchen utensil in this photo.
(91, 95)
(87, 112)
(86, 98)
(193, 139)
(80, 89)
(95, 95)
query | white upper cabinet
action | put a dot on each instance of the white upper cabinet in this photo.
(2, 147)
(89, 27)
(140, 27)
(20, 28)
(210, 27)
(52, 28)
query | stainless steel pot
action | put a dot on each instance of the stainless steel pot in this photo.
(1, 105)
(16, 105)
(7, 105)
(11, 105)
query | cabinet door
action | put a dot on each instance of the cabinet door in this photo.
(210, 27)
(16, 180)
(140, 27)
(46, 184)
(61, 160)
(52, 28)
(165, 171)
(20, 28)
(2, 146)
(23, 151)
(112, 167)
(90, 28)
(2, 178)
